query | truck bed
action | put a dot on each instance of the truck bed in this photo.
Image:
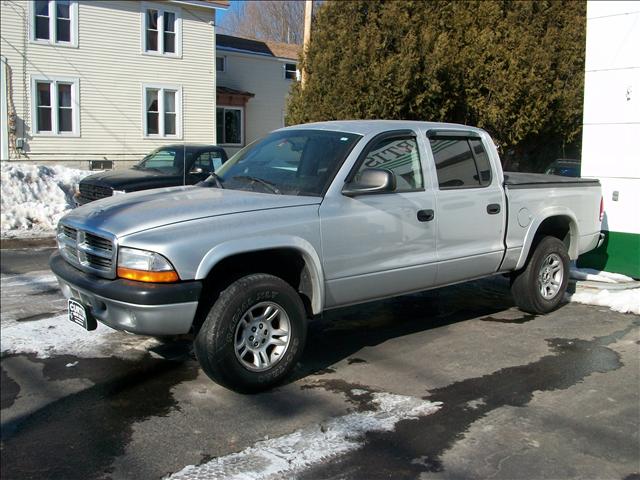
(513, 180)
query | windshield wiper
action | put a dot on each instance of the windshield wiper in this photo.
(213, 178)
(271, 186)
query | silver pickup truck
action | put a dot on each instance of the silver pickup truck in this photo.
(315, 217)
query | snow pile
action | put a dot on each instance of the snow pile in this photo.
(34, 197)
(624, 301)
(616, 291)
(288, 455)
(598, 276)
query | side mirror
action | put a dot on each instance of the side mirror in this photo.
(372, 180)
(196, 171)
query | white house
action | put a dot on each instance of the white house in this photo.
(254, 78)
(611, 128)
(87, 80)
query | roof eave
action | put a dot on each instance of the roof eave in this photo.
(217, 5)
(251, 52)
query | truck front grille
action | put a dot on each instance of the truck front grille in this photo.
(87, 251)
(97, 242)
(89, 192)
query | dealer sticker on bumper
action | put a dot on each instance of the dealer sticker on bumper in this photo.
(79, 315)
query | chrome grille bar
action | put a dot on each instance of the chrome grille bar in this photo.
(87, 251)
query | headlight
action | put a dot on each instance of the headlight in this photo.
(145, 266)
(118, 192)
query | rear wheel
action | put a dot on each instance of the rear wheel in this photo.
(253, 335)
(540, 286)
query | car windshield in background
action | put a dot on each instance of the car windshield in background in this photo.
(289, 162)
(165, 160)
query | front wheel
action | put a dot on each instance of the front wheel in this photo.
(540, 286)
(253, 335)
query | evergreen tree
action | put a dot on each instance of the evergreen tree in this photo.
(514, 68)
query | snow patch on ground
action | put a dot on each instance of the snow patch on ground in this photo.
(286, 456)
(34, 197)
(624, 301)
(53, 336)
(57, 335)
(598, 276)
(33, 280)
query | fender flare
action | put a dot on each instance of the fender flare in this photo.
(545, 214)
(255, 244)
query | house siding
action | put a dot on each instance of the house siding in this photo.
(112, 71)
(264, 77)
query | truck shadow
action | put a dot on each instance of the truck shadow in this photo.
(340, 334)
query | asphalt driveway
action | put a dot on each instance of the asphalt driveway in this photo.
(454, 383)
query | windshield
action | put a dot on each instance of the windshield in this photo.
(290, 162)
(166, 160)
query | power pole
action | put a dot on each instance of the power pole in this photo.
(308, 13)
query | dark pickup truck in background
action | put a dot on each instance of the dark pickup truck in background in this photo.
(168, 166)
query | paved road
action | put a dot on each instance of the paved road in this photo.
(552, 396)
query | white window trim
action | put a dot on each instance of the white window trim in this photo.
(284, 71)
(232, 107)
(143, 29)
(75, 104)
(73, 12)
(162, 87)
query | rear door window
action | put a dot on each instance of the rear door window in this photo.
(482, 161)
(460, 162)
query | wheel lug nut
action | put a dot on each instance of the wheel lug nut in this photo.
(260, 326)
(253, 329)
(255, 344)
(251, 338)
(266, 332)
(263, 340)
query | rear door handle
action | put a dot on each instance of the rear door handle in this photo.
(425, 215)
(493, 208)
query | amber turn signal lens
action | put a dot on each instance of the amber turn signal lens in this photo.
(145, 276)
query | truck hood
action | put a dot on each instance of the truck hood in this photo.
(133, 212)
(132, 179)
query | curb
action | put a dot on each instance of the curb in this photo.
(24, 243)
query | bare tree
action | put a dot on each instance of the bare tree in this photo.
(278, 21)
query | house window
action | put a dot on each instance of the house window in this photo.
(291, 71)
(162, 115)
(229, 129)
(55, 106)
(161, 29)
(221, 64)
(54, 21)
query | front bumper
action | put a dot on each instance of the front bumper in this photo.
(136, 307)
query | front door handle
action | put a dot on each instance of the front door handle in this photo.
(425, 215)
(493, 208)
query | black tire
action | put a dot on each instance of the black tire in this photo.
(215, 342)
(526, 284)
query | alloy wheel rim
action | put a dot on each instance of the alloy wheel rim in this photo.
(262, 336)
(550, 276)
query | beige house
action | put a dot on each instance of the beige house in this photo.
(254, 78)
(91, 80)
